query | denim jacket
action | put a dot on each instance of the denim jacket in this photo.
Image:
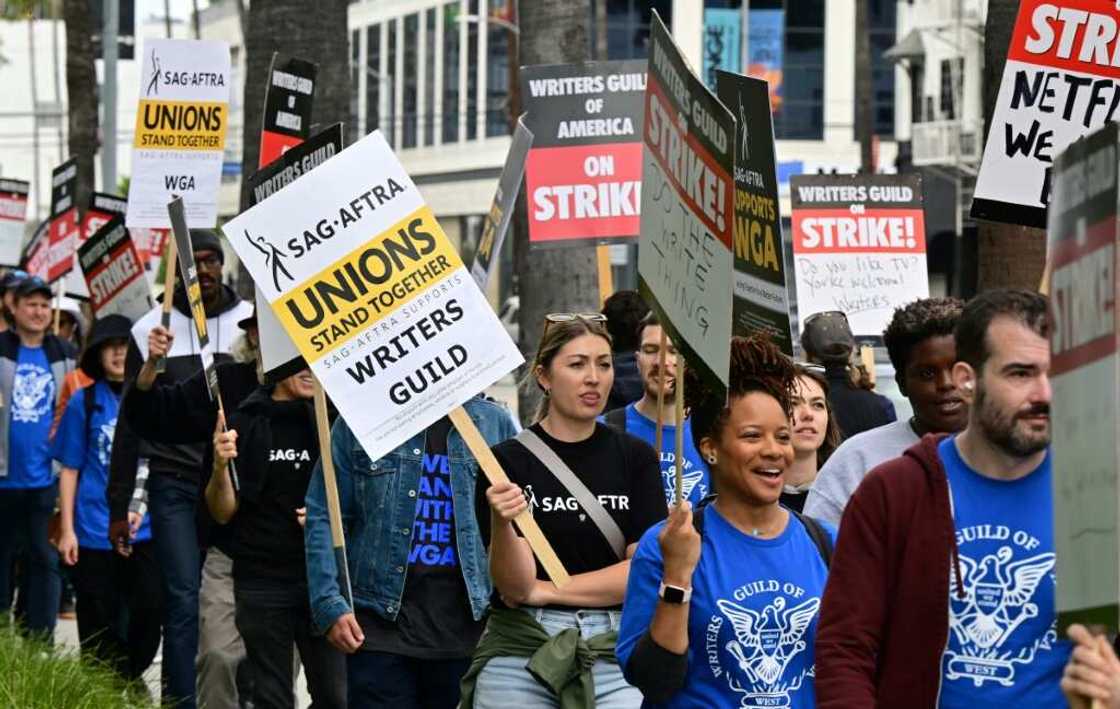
(378, 501)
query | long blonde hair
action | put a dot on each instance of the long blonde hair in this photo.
(553, 339)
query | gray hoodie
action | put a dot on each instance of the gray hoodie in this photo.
(855, 458)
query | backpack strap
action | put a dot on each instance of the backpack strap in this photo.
(817, 533)
(616, 419)
(698, 513)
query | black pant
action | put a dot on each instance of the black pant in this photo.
(379, 680)
(118, 607)
(271, 617)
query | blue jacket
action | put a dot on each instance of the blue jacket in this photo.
(378, 502)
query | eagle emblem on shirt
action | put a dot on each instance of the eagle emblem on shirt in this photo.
(691, 479)
(765, 643)
(31, 393)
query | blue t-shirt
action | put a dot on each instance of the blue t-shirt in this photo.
(32, 413)
(697, 479)
(86, 448)
(1003, 646)
(752, 620)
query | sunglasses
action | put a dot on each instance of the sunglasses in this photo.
(570, 317)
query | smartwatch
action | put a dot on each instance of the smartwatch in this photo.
(674, 594)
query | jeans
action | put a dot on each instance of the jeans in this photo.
(172, 505)
(504, 682)
(271, 617)
(24, 516)
(118, 607)
(221, 651)
(415, 684)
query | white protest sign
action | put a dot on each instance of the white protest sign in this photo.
(13, 213)
(180, 132)
(112, 270)
(859, 246)
(373, 294)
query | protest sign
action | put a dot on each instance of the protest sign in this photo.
(113, 273)
(13, 213)
(180, 131)
(859, 246)
(37, 255)
(377, 300)
(101, 209)
(151, 245)
(685, 264)
(1085, 362)
(64, 219)
(583, 174)
(1060, 82)
(287, 106)
(279, 356)
(501, 209)
(761, 302)
(188, 274)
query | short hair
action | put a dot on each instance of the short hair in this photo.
(916, 322)
(1027, 307)
(648, 321)
(624, 309)
(756, 365)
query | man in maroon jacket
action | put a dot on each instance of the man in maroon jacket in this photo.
(941, 590)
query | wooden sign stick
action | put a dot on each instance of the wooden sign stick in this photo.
(58, 304)
(170, 263)
(606, 279)
(334, 510)
(494, 473)
(679, 451)
(658, 436)
(867, 359)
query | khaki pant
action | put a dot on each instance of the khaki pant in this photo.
(220, 649)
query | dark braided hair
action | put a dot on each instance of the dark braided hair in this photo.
(756, 365)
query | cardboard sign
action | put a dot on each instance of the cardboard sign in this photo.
(113, 273)
(1085, 362)
(279, 356)
(13, 214)
(373, 294)
(761, 302)
(685, 267)
(102, 208)
(188, 274)
(287, 106)
(64, 219)
(501, 209)
(1060, 82)
(180, 131)
(859, 245)
(37, 256)
(583, 177)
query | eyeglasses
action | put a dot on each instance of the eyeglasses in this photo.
(569, 317)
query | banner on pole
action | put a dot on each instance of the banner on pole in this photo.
(287, 106)
(13, 215)
(373, 294)
(722, 30)
(761, 301)
(180, 135)
(501, 209)
(859, 245)
(583, 176)
(64, 230)
(279, 356)
(1085, 362)
(685, 267)
(113, 273)
(1060, 82)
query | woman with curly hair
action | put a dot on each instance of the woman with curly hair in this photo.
(722, 602)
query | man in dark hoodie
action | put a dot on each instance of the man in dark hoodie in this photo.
(624, 310)
(941, 590)
(175, 486)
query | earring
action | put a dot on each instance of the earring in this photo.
(711, 460)
(547, 393)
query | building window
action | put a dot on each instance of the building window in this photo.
(389, 124)
(951, 76)
(882, 37)
(628, 26)
(800, 110)
(409, 79)
(428, 119)
(497, 81)
(450, 113)
(374, 78)
(472, 73)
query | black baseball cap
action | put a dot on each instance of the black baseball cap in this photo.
(31, 285)
(827, 336)
(11, 279)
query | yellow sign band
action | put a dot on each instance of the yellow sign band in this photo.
(181, 125)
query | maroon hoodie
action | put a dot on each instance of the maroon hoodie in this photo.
(885, 615)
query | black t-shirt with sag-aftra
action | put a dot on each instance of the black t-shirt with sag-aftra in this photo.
(619, 469)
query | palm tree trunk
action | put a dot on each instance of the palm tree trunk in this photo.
(549, 280)
(81, 96)
(1008, 255)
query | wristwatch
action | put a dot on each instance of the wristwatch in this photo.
(674, 594)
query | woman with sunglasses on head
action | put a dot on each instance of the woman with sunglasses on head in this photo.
(544, 646)
(722, 602)
(815, 434)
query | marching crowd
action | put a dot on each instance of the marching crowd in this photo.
(825, 552)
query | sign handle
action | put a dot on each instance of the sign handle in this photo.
(494, 473)
(659, 435)
(168, 295)
(58, 304)
(867, 359)
(233, 477)
(679, 452)
(606, 279)
(334, 510)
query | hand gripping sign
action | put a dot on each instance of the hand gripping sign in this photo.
(377, 300)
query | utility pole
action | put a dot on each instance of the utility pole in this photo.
(34, 111)
(54, 74)
(109, 52)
